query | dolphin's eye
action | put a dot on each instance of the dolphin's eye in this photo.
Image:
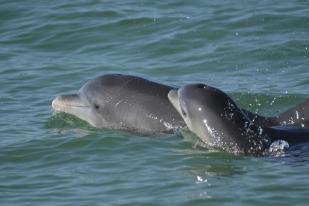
(96, 106)
(183, 113)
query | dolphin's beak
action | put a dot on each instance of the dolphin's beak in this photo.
(75, 105)
(68, 103)
(173, 97)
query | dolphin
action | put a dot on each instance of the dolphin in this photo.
(220, 124)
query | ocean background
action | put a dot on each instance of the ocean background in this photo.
(257, 51)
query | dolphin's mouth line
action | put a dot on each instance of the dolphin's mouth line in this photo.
(69, 105)
(58, 105)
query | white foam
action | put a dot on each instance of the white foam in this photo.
(278, 147)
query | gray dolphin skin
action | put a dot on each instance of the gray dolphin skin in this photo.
(122, 102)
(220, 124)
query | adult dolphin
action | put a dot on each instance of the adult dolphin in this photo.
(219, 123)
(122, 102)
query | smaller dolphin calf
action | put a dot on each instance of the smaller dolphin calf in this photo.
(220, 124)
